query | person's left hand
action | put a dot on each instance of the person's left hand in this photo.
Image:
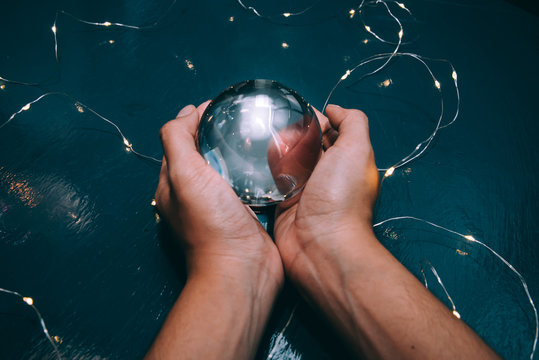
(218, 232)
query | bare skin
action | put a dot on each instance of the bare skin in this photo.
(234, 268)
(324, 241)
(329, 250)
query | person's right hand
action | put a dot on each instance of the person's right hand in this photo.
(336, 205)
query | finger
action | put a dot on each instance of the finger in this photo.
(162, 193)
(178, 138)
(329, 138)
(191, 122)
(322, 120)
(202, 107)
(352, 125)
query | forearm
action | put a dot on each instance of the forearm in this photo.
(217, 316)
(380, 307)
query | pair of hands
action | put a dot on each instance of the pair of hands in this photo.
(338, 198)
(323, 241)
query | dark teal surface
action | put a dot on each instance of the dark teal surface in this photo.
(78, 234)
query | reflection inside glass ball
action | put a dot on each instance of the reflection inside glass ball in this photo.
(263, 138)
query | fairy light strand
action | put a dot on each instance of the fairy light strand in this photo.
(386, 58)
(440, 282)
(30, 302)
(285, 14)
(17, 82)
(400, 35)
(424, 144)
(472, 239)
(79, 105)
(106, 24)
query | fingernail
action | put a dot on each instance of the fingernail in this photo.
(334, 105)
(186, 110)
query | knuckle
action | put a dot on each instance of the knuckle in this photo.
(359, 117)
(357, 114)
(166, 130)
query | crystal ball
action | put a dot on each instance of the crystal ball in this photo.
(263, 138)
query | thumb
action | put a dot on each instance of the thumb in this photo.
(352, 126)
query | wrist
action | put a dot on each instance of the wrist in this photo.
(325, 264)
(255, 276)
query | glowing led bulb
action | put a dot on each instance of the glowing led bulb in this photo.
(437, 84)
(53, 28)
(401, 33)
(28, 300)
(385, 83)
(2, 87)
(401, 5)
(26, 107)
(106, 23)
(346, 74)
(456, 314)
(285, 45)
(189, 64)
(153, 203)
(454, 75)
(368, 28)
(469, 237)
(286, 14)
(389, 171)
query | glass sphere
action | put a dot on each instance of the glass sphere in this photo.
(263, 138)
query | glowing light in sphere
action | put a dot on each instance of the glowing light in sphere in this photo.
(263, 138)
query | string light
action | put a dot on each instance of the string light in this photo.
(80, 107)
(121, 25)
(284, 14)
(3, 79)
(440, 282)
(106, 24)
(385, 58)
(423, 145)
(30, 302)
(493, 252)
